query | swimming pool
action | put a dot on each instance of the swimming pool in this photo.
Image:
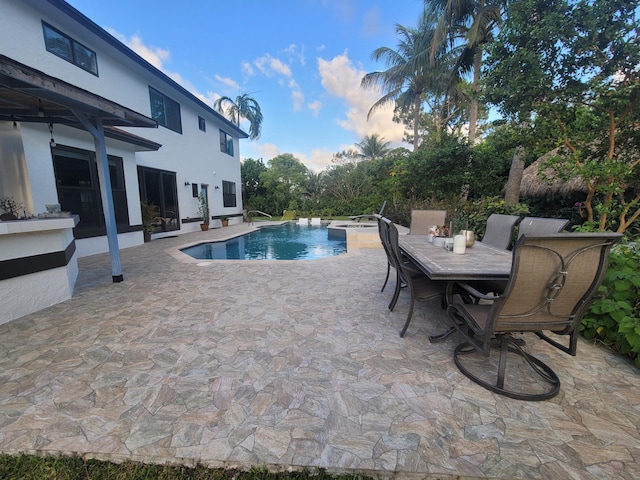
(288, 241)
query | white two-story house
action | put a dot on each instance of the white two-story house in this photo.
(75, 102)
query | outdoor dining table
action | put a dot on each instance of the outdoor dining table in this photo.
(479, 262)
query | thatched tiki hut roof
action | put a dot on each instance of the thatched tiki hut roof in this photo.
(533, 185)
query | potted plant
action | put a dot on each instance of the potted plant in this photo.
(203, 211)
(11, 208)
(150, 213)
(224, 220)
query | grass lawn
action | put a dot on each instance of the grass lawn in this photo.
(32, 467)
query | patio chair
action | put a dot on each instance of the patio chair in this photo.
(316, 221)
(528, 226)
(382, 231)
(541, 226)
(553, 280)
(422, 220)
(369, 216)
(499, 231)
(420, 286)
(303, 221)
(288, 215)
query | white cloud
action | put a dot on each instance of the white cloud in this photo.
(209, 98)
(315, 107)
(341, 79)
(298, 99)
(247, 69)
(297, 52)
(270, 66)
(317, 161)
(155, 56)
(229, 82)
(257, 150)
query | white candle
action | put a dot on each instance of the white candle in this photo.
(459, 244)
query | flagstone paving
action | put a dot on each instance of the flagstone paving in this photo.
(291, 365)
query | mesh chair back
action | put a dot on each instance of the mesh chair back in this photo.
(383, 229)
(421, 220)
(541, 226)
(553, 280)
(499, 231)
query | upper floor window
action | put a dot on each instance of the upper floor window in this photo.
(226, 143)
(202, 125)
(165, 111)
(228, 194)
(67, 48)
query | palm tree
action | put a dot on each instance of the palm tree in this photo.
(405, 80)
(245, 107)
(466, 26)
(411, 74)
(373, 147)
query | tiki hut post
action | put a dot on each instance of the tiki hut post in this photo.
(512, 189)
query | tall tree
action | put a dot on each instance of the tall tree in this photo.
(252, 188)
(466, 26)
(409, 74)
(573, 64)
(245, 107)
(284, 180)
(373, 147)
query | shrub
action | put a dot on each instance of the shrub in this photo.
(475, 213)
(614, 318)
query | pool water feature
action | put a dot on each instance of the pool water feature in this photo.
(288, 241)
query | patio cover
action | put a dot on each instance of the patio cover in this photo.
(28, 95)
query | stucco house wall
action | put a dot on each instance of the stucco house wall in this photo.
(124, 78)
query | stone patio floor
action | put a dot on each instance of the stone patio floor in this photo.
(290, 365)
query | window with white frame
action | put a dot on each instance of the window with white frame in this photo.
(226, 143)
(69, 49)
(228, 194)
(165, 110)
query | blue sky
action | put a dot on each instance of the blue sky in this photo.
(301, 59)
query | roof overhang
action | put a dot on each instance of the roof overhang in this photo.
(28, 95)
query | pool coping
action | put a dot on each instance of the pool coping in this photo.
(366, 236)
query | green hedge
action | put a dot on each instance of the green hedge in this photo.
(614, 319)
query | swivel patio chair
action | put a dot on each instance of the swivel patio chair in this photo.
(499, 231)
(422, 220)
(541, 226)
(420, 286)
(528, 226)
(553, 280)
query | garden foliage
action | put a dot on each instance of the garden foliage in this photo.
(614, 318)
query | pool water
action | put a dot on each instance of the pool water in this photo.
(289, 241)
